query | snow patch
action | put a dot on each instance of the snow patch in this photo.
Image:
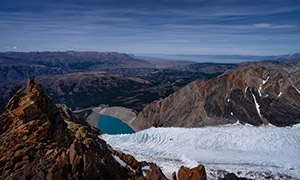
(246, 89)
(264, 81)
(256, 105)
(231, 113)
(254, 152)
(279, 94)
(120, 161)
(297, 90)
(146, 168)
(228, 100)
(259, 89)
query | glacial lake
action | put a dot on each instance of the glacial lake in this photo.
(112, 125)
(201, 79)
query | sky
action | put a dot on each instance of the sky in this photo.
(243, 27)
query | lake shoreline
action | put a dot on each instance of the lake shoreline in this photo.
(112, 125)
(126, 115)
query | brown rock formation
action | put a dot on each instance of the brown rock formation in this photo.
(39, 141)
(256, 94)
(196, 173)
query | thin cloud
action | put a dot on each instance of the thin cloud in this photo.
(11, 47)
(262, 25)
(133, 25)
(270, 26)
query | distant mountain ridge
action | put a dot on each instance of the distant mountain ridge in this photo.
(70, 59)
(20, 65)
(224, 58)
(291, 56)
(254, 93)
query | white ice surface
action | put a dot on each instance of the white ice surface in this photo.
(246, 150)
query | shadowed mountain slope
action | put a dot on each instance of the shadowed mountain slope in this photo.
(255, 93)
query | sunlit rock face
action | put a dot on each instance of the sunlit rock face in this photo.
(254, 93)
(38, 140)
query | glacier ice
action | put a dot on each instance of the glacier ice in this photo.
(243, 149)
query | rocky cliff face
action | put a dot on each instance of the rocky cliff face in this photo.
(257, 93)
(39, 141)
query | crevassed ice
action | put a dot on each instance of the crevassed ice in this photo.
(234, 148)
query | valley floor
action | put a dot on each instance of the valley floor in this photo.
(265, 152)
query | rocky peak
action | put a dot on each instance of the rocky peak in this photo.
(39, 141)
(36, 107)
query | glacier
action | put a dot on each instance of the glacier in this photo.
(248, 151)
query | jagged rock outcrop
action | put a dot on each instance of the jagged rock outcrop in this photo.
(256, 94)
(196, 173)
(39, 141)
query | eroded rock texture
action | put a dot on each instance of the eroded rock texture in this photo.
(255, 93)
(196, 173)
(38, 140)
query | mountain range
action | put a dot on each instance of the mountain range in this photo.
(43, 140)
(130, 87)
(19, 65)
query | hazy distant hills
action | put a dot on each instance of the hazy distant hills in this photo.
(19, 65)
(22, 65)
(291, 56)
(224, 58)
(72, 60)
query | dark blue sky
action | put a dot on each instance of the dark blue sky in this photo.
(258, 27)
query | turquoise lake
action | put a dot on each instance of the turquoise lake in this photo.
(112, 125)
(201, 79)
